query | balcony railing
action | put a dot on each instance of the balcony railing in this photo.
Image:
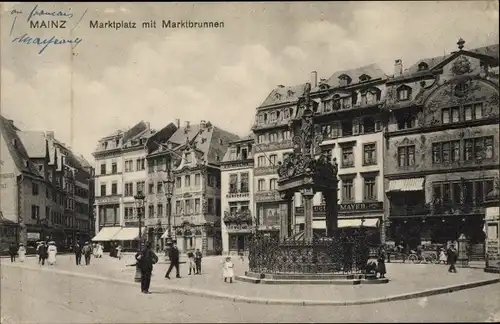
(240, 216)
(238, 193)
(274, 146)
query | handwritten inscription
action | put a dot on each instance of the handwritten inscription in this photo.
(45, 42)
(37, 12)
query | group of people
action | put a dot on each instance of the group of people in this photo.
(86, 250)
(97, 250)
(195, 262)
(15, 251)
(46, 252)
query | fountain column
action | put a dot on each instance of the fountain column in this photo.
(308, 195)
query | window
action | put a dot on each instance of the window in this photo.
(261, 139)
(129, 189)
(347, 157)
(369, 154)
(35, 212)
(103, 168)
(368, 125)
(346, 127)
(244, 153)
(114, 189)
(273, 184)
(140, 187)
(273, 137)
(261, 185)
(406, 155)
(233, 183)
(140, 164)
(455, 151)
(261, 161)
(151, 211)
(188, 158)
(244, 182)
(446, 152)
(287, 135)
(197, 179)
(450, 115)
(348, 190)
(159, 210)
(197, 204)
(34, 188)
(478, 111)
(406, 121)
(445, 116)
(129, 166)
(178, 182)
(178, 207)
(404, 93)
(187, 180)
(114, 168)
(210, 206)
(103, 190)
(370, 192)
(479, 148)
(151, 166)
(159, 187)
(272, 159)
(469, 149)
(151, 188)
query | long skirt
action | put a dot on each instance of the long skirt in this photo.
(52, 258)
(22, 256)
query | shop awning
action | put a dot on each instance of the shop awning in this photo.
(319, 224)
(356, 222)
(106, 234)
(127, 234)
(414, 184)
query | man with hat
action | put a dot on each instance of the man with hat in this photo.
(87, 252)
(145, 260)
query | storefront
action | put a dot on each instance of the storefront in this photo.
(492, 228)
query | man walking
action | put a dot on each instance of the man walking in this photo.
(145, 260)
(12, 251)
(87, 251)
(197, 261)
(174, 261)
(452, 258)
(78, 253)
(42, 253)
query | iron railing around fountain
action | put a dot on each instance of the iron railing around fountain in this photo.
(343, 254)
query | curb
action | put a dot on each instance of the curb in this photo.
(267, 301)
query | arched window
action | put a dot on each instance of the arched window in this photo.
(344, 80)
(422, 66)
(364, 78)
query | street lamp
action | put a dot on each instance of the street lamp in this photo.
(169, 191)
(139, 204)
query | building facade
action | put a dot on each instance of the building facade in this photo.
(442, 143)
(193, 154)
(237, 193)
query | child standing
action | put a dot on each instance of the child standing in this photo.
(119, 252)
(442, 256)
(228, 270)
(192, 265)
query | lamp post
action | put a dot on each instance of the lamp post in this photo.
(169, 191)
(139, 203)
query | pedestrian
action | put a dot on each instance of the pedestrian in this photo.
(241, 255)
(407, 252)
(21, 252)
(197, 260)
(78, 253)
(94, 249)
(192, 265)
(42, 253)
(12, 251)
(228, 270)
(119, 252)
(100, 250)
(174, 261)
(52, 252)
(87, 252)
(145, 261)
(381, 262)
(442, 256)
(452, 258)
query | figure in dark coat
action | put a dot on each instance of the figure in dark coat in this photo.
(452, 257)
(87, 252)
(12, 252)
(174, 261)
(197, 260)
(145, 261)
(381, 262)
(78, 253)
(42, 253)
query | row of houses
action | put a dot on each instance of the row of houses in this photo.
(417, 153)
(46, 189)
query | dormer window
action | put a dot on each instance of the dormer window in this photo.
(364, 78)
(404, 93)
(290, 93)
(188, 157)
(422, 66)
(277, 96)
(324, 86)
(344, 80)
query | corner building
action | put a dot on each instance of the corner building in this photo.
(442, 155)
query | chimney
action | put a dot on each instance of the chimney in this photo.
(178, 122)
(280, 86)
(148, 125)
(314, 79)
(398, 67)
(187, 124)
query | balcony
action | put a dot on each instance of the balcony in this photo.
(444, 209)
(274, 146)
(238, 194)
(240, 216)
(270, 124)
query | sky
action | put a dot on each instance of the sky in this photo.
(113, 79)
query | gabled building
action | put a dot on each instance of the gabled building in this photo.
(237, 193)
(194, 154)
(442, 146)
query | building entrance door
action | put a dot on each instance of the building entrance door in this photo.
(241, 243)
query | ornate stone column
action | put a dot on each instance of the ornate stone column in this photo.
(285, 216)
(331, 212)
(308, 195)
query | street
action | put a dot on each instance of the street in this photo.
(47, 297)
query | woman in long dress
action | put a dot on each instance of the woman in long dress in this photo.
(21, 252)
(228, 270)
(100, 250)
(52, 251)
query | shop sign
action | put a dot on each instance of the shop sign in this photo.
(372, 206)
(33, 236)
(107, 200)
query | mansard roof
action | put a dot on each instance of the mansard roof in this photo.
(371, 70)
